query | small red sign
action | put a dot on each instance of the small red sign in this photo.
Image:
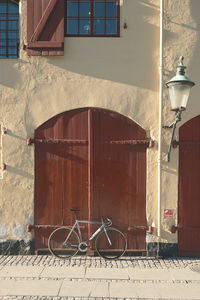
(168, 213)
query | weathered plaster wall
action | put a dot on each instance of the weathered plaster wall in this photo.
(120, 74)
(112, 73)
(181, 37)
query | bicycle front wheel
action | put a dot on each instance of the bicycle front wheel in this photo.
(63, 242)
(113, 246)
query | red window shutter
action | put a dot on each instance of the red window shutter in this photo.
(45, 27)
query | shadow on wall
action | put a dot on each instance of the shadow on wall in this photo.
(19, 172)
(131, 59)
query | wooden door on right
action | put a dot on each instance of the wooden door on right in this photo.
(189, 188)
(118, 179)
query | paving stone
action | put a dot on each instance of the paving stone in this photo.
(149, 274)
(5, 287)
(33, 287)
(84, 289)
(184, 274)
(63, 272)
(156, 291)
(21, 271)
(104, 273)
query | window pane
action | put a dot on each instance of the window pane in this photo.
(12, 43)
(3, 17)
(3, 7)
(12, 39)
(3, 42)
(111, 9)
(13, 17)
(85, 9)
(111, 26)
(12, 25)
(72, 26)
(99, 26)
(85, 26)
(72, 8)
(2, 35)
(12, 51)
(2, 52)
(2, 25)
(12, 35)
(13, 8)
(99, 9)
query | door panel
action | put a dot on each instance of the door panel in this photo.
(189, 188)
(119, 174)
(61, 172)
(86, 159)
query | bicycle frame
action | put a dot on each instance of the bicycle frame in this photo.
(102, 227)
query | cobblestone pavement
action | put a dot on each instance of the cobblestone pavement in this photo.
(124, 262)
(96, 262)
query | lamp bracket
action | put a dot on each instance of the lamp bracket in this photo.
(173, 126)
(176, 120)
(168, 126)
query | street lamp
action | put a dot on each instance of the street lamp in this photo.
(179, 89)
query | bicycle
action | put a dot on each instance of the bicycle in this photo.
(65, 242)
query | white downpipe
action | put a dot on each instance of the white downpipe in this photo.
(160, 117)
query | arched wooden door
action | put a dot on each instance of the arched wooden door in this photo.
(189, 188)
(93, 160)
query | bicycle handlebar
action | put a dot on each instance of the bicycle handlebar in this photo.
(108, 222)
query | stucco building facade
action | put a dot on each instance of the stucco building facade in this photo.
(119, 78)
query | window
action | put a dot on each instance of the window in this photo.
(92, 18)
(9, 28)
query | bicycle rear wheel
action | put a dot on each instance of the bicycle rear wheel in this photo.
(63, 242)
(117, 247)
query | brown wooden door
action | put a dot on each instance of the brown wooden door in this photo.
(93, 160)
(189, 189)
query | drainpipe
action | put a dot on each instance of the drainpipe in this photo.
(160, 122)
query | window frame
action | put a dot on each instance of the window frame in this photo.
(7, 30)
(117, 18)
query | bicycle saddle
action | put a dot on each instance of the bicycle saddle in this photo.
(74, 210)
